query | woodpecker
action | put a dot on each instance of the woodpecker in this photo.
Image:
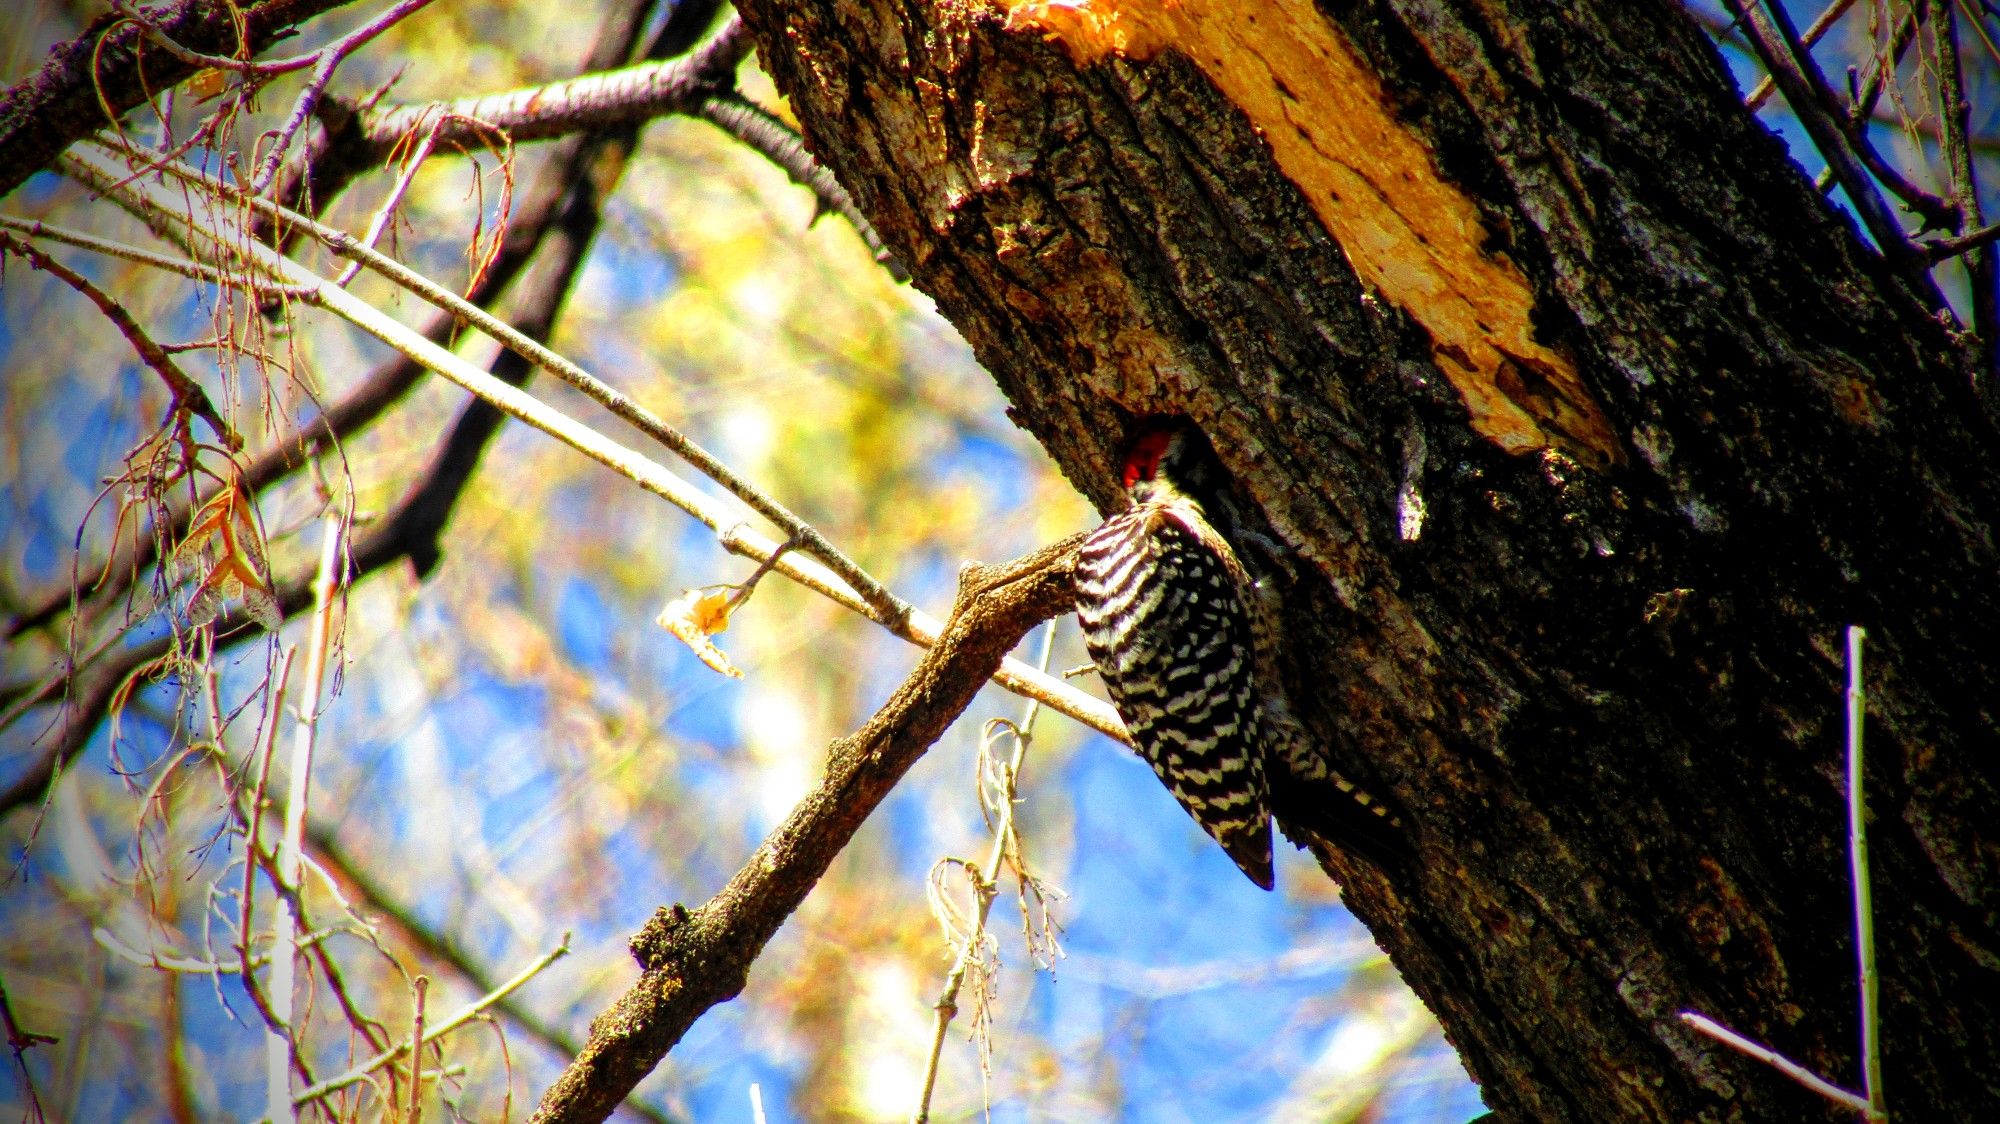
(1185, 639)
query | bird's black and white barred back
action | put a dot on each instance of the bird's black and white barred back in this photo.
(1187, 644)
(1165, 623)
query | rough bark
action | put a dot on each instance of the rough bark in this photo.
(1570, 584)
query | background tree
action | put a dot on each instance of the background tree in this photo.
(1586, 419)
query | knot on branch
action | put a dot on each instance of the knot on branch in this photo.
(651, 944)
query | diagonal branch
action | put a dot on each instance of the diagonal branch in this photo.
(881, 605)
(781, 145)
(631, 95)
(187, 394)
(110, 67)
(561, 191)
(694, 960)
(1827, 17)
(411, 531)
(1805, 89)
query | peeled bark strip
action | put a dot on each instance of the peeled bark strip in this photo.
(1589, 425)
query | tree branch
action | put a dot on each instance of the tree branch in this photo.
(187, 394)
(777, 142)
(109, 67)
(412, 529)
(550, 203)
(629, 96)
(1806, 91)
(694, 960)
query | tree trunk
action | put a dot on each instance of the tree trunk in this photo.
(1587, 425)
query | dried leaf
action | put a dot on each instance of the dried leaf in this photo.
(694, 617)
(225, 552)
(208, 83)
(711, 609)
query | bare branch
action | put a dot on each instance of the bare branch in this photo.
(883, 606)
(777, 142)
(1943, 249)
(107, 66)
(1806, 91)
(694, 960)
(187, 394)
(326, 61)
(632, 95)
(1827, 17)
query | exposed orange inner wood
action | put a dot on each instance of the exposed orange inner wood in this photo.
(1411, 235)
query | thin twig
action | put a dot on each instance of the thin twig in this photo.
(1944, 249)
(1777, 1061)
(1827, 17)
(402, 919)
(173, 962)
(1806, 91)
(285, 923)
(554, 194)
(985, 882)
(274, 1027)
(1955, 126)
(329, 59)
(35, 228)
(421, 987)
(204, 60)
(20, 1042)
(1864, 908)
(1871, 1104)
(777, 142)
(916, 626)
(432, 1034)
(386, 213)
(885, 607)
(187, 394)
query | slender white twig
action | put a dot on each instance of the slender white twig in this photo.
(277, 1033)
(1864, 910)
(329, 60)
(432, 1033)
(421, 986)
(285, 921)
(1777, 1061)
(191, 269)
(169, 961)
(1871, 1104)
(98, 169)
(986, 880)
(384, 215)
